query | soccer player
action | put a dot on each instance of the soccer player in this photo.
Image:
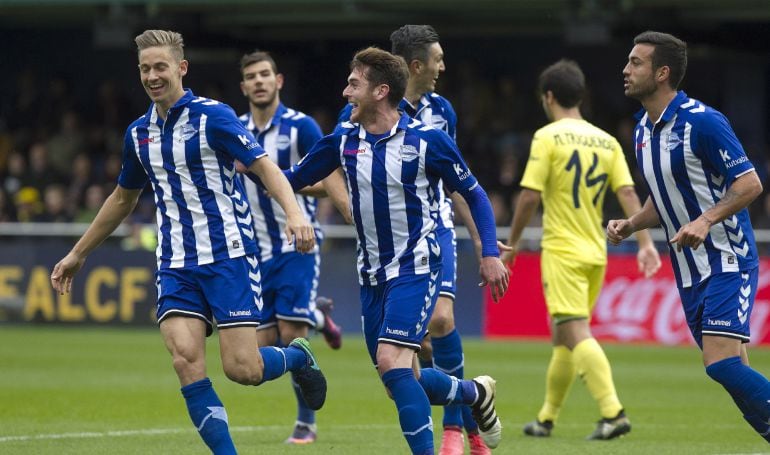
(394, 166)
(207, 266)
(700, 185)
(289, 278)
(571, 165)
(442, 349)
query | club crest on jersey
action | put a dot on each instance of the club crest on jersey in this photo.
(283, 141)
(438, 122)
(188, 132)
(408, 152)
(672, 141)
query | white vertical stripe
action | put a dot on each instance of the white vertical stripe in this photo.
(399, 224)
(172, 209)
(366, 202)
(701, 187)
(700, 256)
(655, 187)
(189, 191)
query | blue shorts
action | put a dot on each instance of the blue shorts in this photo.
(447, 239)
(721, 305)
(227, 291)
(398, 310)
(289, 281)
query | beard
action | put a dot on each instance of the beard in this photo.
(266, 103)
(641, 90)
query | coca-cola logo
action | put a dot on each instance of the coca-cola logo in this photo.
(639, 309)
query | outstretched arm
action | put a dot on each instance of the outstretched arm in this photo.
(116, 208)
(647, 258)
(297, 227)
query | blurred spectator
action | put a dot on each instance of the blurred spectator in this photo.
(7, 210)
(27, 204)
(94, 199)
(66, 143)
(54, 206)
(80, 179)
(16, 173)
(40, 174)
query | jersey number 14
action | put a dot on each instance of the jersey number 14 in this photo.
(590, 179)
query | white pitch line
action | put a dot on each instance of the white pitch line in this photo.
(164, 431)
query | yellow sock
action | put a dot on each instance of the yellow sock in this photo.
(558, 382)
(593, 366)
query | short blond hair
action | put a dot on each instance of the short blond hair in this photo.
(166, 38)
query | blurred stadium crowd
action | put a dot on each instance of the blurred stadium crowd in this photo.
(60, 155)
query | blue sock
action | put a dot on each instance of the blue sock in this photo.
(304, 413)
(209, 416)
(425, 363)
(759, 425)
(280, 360)
(749, 389)
(443, 389)
(413, 409)
(448, 357)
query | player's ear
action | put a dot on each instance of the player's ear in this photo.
(382, 91)
(415, 66)
(662, 73)
(279, 81)
(183, 67)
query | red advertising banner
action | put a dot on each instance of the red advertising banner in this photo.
(630, 307)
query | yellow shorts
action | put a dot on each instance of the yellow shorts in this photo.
(570, 287)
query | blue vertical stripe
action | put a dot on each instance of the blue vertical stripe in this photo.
(381, 207)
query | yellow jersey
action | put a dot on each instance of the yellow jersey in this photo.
(571, 163)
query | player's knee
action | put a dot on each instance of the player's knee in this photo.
(243, 371)
(187, 364)
(441, 324)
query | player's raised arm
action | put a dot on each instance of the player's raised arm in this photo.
(115, 209)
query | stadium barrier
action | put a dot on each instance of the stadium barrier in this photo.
(117, 286)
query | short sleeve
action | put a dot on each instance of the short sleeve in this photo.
(719, 146)
(538, 164)
(321, 160)
(226, 134)
(444, 160)
(132, 173)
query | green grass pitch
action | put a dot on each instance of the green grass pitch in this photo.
(80, 390)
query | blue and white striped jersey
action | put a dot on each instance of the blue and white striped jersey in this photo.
(393, 182)
(436, 111)
(689, 159)
(286, 139)
(202, 211)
